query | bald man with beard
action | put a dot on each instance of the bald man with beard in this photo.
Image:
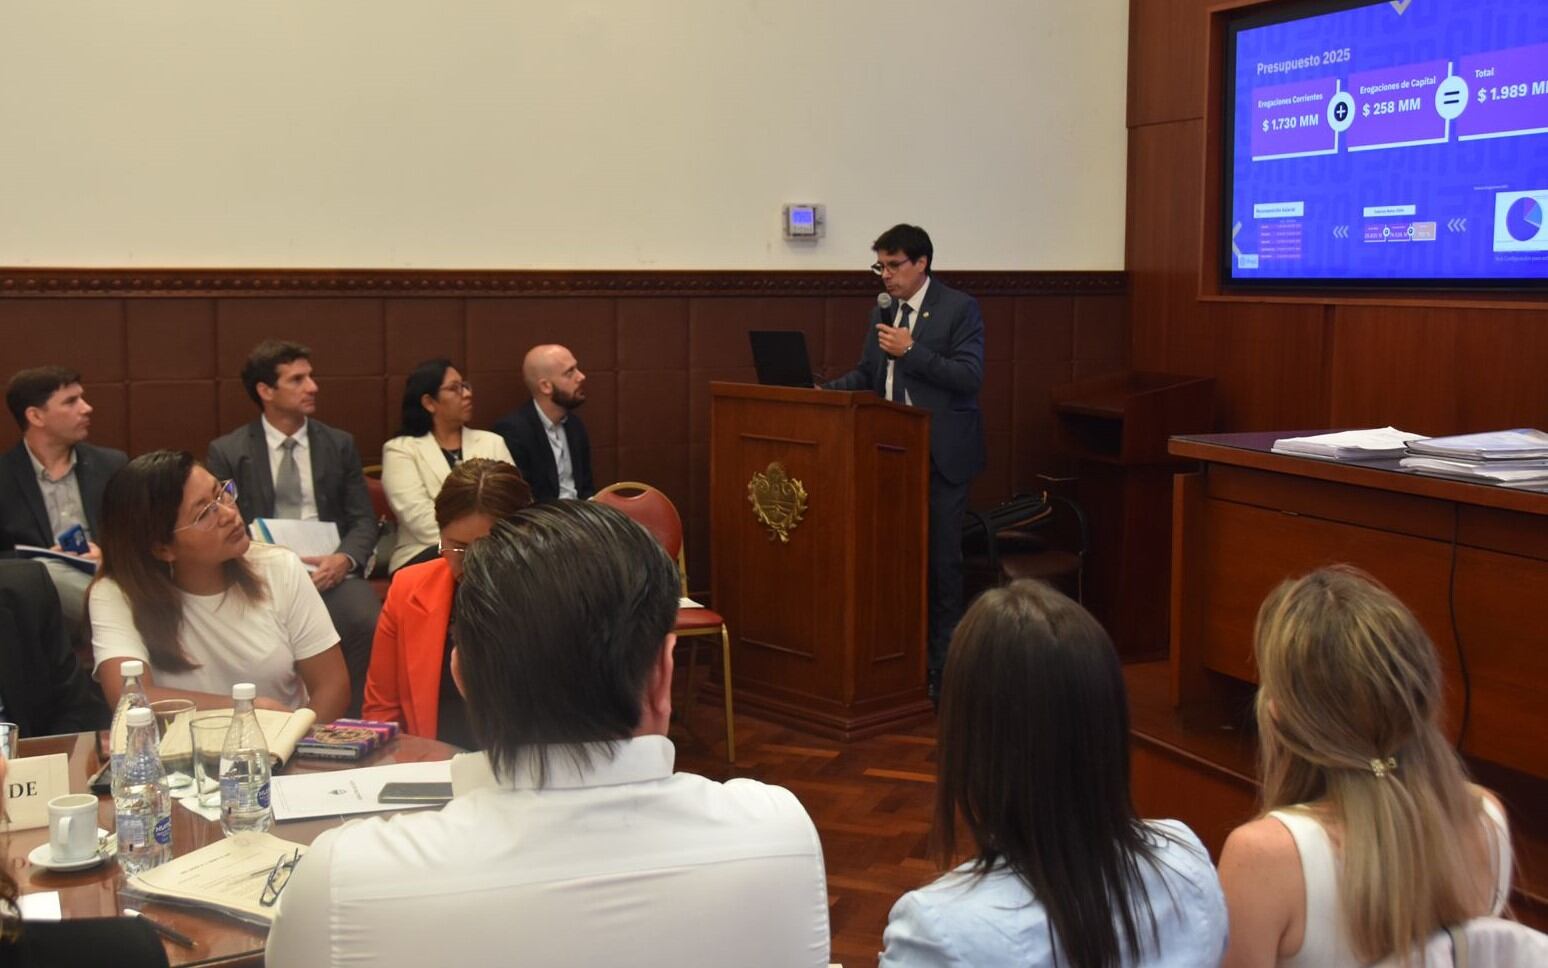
(545, 436)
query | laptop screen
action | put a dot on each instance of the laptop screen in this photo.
(780, 356)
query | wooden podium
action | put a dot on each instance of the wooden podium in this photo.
(827, 624)
(1117, 427)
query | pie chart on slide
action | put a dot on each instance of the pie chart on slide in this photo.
(1524, 219)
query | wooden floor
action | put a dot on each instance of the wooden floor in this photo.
(871, 799)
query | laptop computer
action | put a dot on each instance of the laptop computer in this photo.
(780, 357)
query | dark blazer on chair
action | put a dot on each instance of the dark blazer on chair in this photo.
(522, 429)
(337, 481)
(23, 516)
(44, 688)
(942, 374)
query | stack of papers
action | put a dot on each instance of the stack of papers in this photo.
(1512, 473)
(1522, 444)
(309, 539)
(340, 793)
(1381, 443)
(228, 875)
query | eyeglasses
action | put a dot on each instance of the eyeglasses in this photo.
(225, 497)
(448, 551)
(458, 389)
(891, 265)
(278, 878)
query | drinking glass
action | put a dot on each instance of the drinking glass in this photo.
(177, 766)
(208, 731)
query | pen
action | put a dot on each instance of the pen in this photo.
(177, 937)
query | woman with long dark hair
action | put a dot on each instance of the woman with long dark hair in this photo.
(1371, 838)
(433, 438)
(1034, 761)
(182, 589)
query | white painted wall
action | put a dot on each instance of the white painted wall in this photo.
(607, 134)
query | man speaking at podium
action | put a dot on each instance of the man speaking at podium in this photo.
(925, 349)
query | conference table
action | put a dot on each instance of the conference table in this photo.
(94, 893)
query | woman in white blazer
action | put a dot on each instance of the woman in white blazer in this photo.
(434, 436)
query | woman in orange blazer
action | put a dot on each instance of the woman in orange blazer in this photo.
(410, 681)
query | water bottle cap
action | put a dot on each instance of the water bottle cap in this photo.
(140, 716)
(132, 667)
(244, 690)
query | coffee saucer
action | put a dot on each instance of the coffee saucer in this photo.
(43, 854)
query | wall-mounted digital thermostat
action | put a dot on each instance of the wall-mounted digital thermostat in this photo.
(804, 221)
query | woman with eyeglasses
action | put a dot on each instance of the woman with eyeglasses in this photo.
(410, 679)
(434, 437)
(183, 589)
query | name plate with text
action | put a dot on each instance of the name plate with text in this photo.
(30, 782)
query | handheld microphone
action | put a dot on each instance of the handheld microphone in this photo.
(884, 303)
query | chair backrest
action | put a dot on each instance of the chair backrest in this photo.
(653, 511)
(378, 494)
(1481, 943)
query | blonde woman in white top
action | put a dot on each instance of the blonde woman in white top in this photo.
(434, 437)
(1372, 838)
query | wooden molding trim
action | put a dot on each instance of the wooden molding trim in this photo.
(499, 282)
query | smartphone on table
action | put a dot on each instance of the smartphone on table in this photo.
(416, 794)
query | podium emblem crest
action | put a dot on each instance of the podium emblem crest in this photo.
(778, 500)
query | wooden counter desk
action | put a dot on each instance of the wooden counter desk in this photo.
(1471, 561)
(219, 940)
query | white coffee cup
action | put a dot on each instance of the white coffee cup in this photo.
(72, 827)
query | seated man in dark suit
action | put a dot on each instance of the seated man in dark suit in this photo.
(53, 479)
(43, 689)
(545, 436)
(288, 465)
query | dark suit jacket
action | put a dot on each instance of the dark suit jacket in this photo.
(942, 374)
(522, 429)
(45, 689)
(23, 516)
(337, 481)
(86, 943)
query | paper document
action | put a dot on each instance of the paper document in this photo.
(1519, 444)
(42, 906)
(309, 539)
(64, 557)
(1514, 472)
(1375, 444)
(339, 793)
(686, 602)
(228, 875)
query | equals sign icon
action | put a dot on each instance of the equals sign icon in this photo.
(1451, 99)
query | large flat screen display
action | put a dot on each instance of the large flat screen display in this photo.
(1390, 144)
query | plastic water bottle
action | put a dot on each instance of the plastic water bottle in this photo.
(244, 768)
(140, 798)
(132, 697)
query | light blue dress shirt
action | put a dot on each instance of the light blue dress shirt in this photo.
(995, 921)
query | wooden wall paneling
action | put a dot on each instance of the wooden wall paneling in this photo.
(1167, 782)
(422, 329)
(352, 403)
(175, 414)
(1163, 240)
(87, 335)
(1044, 350)
(1395, 365)
(501, 331)
(1166, 60)
(344, 335)
(109, 418)
(652, 334)
(1501, 358)
(1269, 366)
(845, 320)
(170, 339)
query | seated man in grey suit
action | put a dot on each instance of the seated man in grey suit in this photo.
(288, 465)
(43, 689)
(546, 438)
(53, 479)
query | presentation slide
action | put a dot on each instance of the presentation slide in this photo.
(1392, 143)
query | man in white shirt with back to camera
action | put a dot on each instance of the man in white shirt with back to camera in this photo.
(570, 840)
